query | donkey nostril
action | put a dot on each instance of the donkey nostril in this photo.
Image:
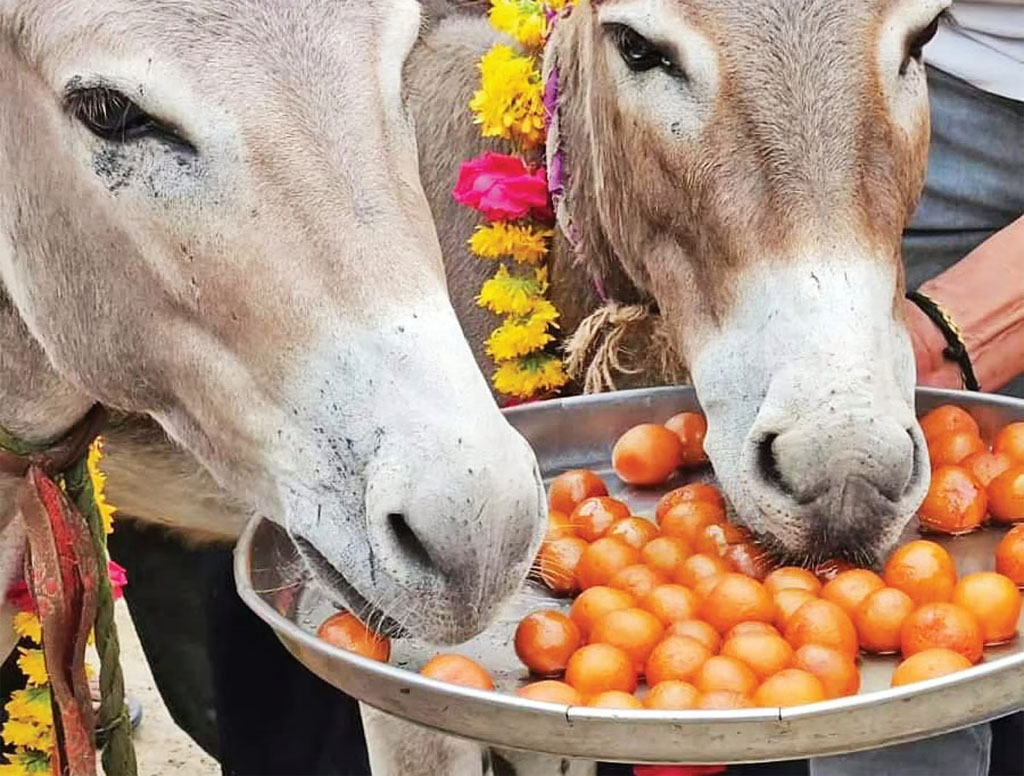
(769, 465)
(408, 542)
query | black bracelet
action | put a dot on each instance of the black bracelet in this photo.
(956, 349)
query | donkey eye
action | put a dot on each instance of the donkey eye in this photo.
(111, 115)
(916, 44)
(639, 54)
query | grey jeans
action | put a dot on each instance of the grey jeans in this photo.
(975, 187)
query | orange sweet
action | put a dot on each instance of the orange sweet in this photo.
(698, 630)
(791, 578)
(829, 569)
(634, 531)
(557, 561)
(676, 657)
(551, 691)
(559, 526)
(956, 503)
(570, 488)
(994, 599)
(670, 603)
(723, 700)
(788, 601)
(952, 447)
(614, 699)
(698, 567)
(945, 419)
(752, 627)
(456, 669)
(634, 631)
(599, 667)
(837, 672)
(545, 641)
(637, 579)
(602, 560)
(790, 687)
(688, 518)
(1010, 441)
(647, 454)
(703, 586)
(345, 631)
(725, 673)
(594, 603)
(672, 695)
(1006, 495)
(851, 587)
(985, 466)
(923, 570)
(736, 599)
(929, 664)
(879, 620)
(593, 517)
(1010, 555)
(747, 558)
(665, 554)
(690, 427)
(764, 653)
(715, 539)
(822, 622)
(942, 625)
(695, 491)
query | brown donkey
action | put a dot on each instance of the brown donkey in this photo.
(748, 169)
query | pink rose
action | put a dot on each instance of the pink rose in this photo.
(118, 578)
(503, 188)
(20, 598)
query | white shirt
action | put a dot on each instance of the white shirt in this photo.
(985, 47)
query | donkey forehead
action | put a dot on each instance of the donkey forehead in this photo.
(226, 41)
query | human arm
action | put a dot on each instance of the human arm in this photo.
(984, 295)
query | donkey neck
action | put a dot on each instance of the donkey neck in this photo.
(36, 403)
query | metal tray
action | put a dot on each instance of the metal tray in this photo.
(580, 432)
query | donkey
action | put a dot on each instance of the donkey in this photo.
(211, 216)
(748, 169)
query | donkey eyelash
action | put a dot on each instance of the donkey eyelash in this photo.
(916, 41)
(111, 115)
(640, 53)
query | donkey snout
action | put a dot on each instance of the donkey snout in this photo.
(460, 522)
(844, 484)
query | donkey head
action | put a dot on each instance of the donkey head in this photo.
(210, 212)
(750, 166)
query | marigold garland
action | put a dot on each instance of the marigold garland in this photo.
(510, 105)
(27, 735)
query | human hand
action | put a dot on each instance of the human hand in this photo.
(933, 369)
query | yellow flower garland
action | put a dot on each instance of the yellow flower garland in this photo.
(28, 731)
(509, 105)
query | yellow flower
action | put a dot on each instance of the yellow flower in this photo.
(26, 763)
(26, 734)
(99, 481)
(509, 103)
(33, 666)
(527, 377)
(522, 20)
(26, 625)
(507, 294)
(518, 336)
(524, 243)
(32, 706)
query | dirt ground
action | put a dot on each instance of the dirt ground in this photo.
(161, 747)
